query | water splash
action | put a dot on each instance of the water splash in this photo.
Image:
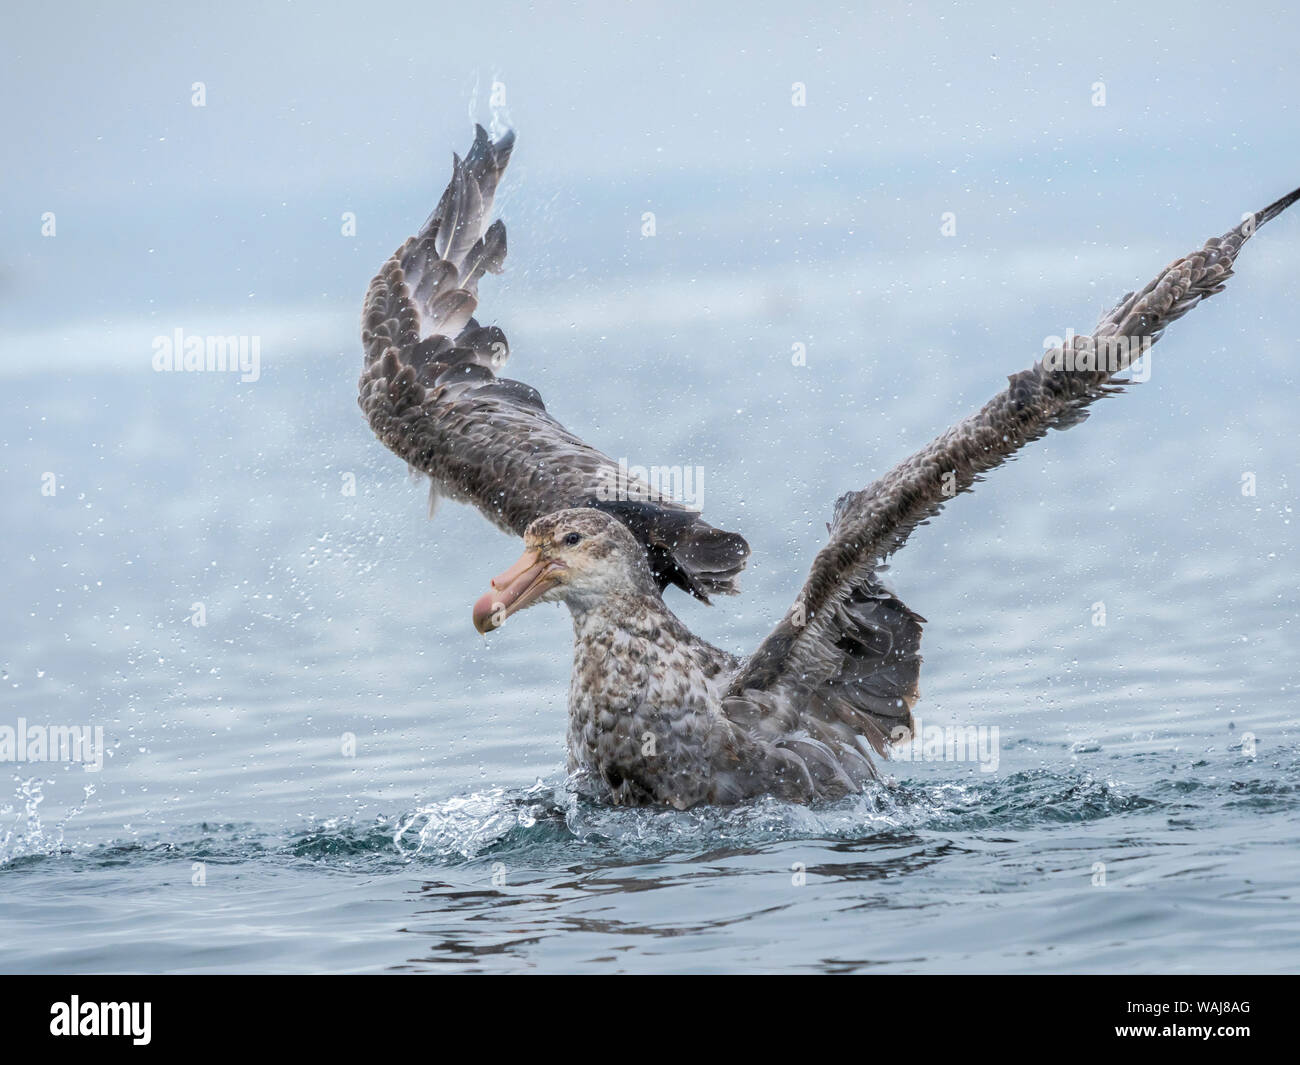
(498, 819)
(466, 826)
(27, 837)
(553, 822)
(500, 123)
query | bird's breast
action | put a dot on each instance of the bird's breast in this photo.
(641, 717)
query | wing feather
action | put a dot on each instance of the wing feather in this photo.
(431, 392)
(845, 662)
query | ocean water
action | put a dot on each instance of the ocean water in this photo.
(311, 761)
(334, 772)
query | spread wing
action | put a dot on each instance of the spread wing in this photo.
(430, 391)
(844, 662)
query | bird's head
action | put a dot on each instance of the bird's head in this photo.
(577, 556)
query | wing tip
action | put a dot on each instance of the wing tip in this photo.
(1276, 208)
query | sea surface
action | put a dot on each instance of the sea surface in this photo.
(313, 763)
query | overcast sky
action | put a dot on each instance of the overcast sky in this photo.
(315, 109)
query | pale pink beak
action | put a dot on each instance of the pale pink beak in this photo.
(523, 583)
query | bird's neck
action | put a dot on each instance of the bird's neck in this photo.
(640, 629)
(632, 610)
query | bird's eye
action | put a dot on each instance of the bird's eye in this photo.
(573, 538)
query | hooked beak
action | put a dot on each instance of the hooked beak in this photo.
(523, 583)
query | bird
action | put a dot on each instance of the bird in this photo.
(656, 715)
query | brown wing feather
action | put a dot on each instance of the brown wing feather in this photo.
(430, 391)
(846, 660)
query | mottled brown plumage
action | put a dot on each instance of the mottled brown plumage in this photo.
(657, 715)
(430, 391)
